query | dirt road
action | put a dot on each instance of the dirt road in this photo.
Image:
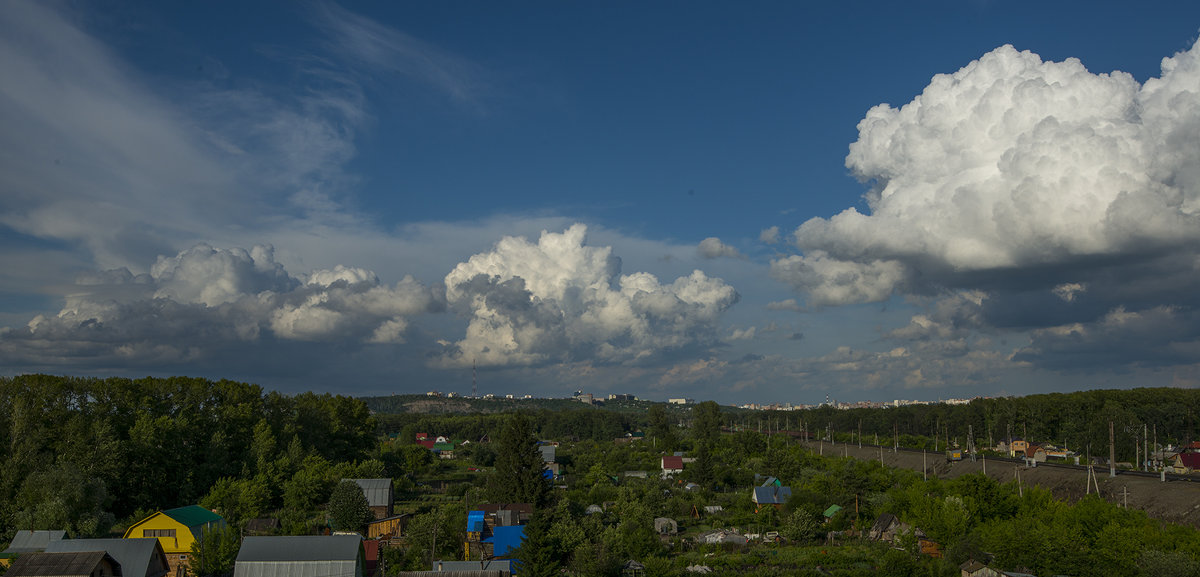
(1174, 501)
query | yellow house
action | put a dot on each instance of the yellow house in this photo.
(176, 530)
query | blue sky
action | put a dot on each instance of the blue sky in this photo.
(766, 203)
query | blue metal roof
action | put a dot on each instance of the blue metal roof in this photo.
(475, 521)
(505, 539)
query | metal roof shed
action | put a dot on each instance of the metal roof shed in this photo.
(377, 491)
(31, 542)
(139, 557)
(84, 564)
(302, 556)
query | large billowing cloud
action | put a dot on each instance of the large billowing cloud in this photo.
(204, 298)
(559, 300)
(1014, 173)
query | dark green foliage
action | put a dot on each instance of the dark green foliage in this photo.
(214, 554)
(348, 508)
(661, 429)
(155, 443)
(435, 535)
(538, 554)
(238, 500)
(63, 497)
(706, 422)
(518, 477)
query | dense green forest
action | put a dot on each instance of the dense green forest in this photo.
(82, 453)
(91, 455)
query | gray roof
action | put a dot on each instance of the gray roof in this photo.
(307, 556)
(302, 556)
(33, 541)
(772, 495)
(60, 564)
(471, 573)
(377, 491)
(300, 548)
(136, 556)
(548, 453)
(489, 565)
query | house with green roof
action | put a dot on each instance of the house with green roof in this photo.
(176, 530)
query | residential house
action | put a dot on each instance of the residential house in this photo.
(388, 527)
(379, 495)
(1017, 445)
(29, 542)
(1056, 452)
(176, 530)
(82, 564)
(832, 512)
(721, 537)
(930, 548)
(302, 556)
(887, 527)
(973, 568)
(665, 526)
(1186, 462)
(506, 514)
(137, 557)
(632, 568)
(770, 493)
(506, 539)
(671, 465)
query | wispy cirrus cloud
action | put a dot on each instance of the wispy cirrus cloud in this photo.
(379, 51)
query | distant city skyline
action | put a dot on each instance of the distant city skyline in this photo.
(759, 204)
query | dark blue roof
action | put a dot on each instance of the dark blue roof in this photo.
(772, 495)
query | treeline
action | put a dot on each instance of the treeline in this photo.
(1077, 420)
(79, 453)
(577, 422)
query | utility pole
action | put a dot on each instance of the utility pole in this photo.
(971, 441)
(924, 467)
(860, 433)
(1112, 451)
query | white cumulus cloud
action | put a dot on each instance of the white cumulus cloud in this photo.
(205, 298)
(560, 300)
(712, 247)
(1012, 163)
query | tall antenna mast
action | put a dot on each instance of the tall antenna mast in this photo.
(474, 388)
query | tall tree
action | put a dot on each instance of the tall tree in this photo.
(706, 422)
(519, 474)
(538, 553)
(348, 507)
(660, 428)
(215, 552)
